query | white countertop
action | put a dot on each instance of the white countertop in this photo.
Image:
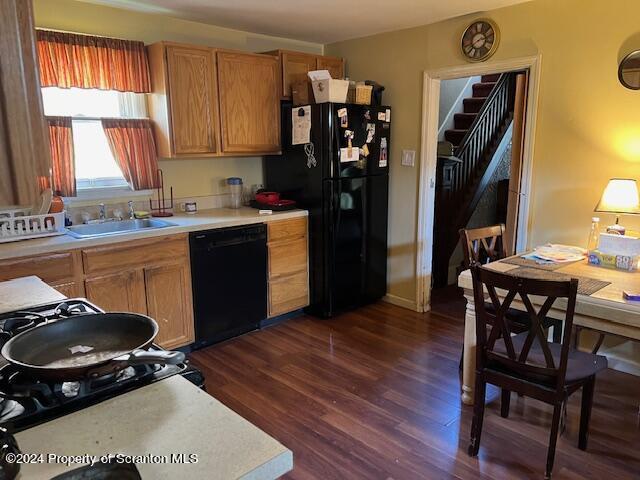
(26, 292)
(172, 416)
(203, 220)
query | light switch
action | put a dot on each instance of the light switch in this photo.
(408, 158)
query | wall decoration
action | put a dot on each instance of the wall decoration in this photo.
(480, 40)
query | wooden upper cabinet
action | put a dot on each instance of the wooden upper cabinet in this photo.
(183, 103)
(294, 67)
(249, 102)
(335, 66)
(191, 74)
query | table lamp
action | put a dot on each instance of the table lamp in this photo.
(620, 197)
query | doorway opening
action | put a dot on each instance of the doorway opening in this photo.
(476, 165)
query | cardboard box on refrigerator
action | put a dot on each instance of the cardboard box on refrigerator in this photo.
(327, 89)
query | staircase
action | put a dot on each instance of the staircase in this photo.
(471, 107)
(476, 136)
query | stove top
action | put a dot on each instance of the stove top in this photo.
(26, 401)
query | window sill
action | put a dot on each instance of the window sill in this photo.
(93, 196)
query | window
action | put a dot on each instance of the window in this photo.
(95, 166)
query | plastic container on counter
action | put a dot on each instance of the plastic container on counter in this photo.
(235, 188)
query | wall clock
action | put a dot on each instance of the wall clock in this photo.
(480, 40)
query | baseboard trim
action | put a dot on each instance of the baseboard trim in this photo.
(401, 302)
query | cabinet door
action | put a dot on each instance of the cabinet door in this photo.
(249, 103)
(168, 289)
(118, 292)
(70, 290)
(333, 64)
(192, 99)
(295, 67)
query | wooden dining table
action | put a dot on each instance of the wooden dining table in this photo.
(604, 310)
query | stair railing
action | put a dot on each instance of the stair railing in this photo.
(455, 204)
(478, 139)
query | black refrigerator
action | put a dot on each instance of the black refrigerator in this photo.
(341, 176)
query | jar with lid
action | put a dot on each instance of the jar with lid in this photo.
(235, 188)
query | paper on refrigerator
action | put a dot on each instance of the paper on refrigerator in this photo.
(301, 125)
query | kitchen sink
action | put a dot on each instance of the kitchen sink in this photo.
(115, 227)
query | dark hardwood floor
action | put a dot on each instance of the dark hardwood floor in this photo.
(374, 394)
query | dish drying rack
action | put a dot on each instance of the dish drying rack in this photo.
(19, 224)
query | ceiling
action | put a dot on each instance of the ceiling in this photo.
(323, 21)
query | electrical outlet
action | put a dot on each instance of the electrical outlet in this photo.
(408, 158)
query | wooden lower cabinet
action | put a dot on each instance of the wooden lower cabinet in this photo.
(169, 302)
(287, 258)
(118, 292)
(152, 277)
(289, 293)
(288, 265)
(61, 270)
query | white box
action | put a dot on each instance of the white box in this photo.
(619, 245)
(327, 89)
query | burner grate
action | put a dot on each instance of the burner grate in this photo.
(26, 401)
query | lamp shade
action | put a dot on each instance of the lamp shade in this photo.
(620, 196)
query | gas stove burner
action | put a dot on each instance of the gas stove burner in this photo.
(68, 309)
(19, 322)
(25, 401)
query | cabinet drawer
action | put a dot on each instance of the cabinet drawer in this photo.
(130, 254)
(288, 293)
(54, 268)
(286, 258)
(287, 229)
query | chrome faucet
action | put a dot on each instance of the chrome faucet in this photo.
(103, 212)
(132, 214)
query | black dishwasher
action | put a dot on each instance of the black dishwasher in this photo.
(229, 276)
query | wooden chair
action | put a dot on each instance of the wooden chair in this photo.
(527, 363)
(484, 245)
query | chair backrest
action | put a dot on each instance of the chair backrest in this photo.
(498, 350)
(482, 245)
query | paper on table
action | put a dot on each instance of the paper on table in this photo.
(300, 125)
(560, 253)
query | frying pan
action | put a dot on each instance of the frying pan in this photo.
(87, 346)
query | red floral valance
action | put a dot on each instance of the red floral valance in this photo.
(85, 61)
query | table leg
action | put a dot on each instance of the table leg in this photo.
(469, 360)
